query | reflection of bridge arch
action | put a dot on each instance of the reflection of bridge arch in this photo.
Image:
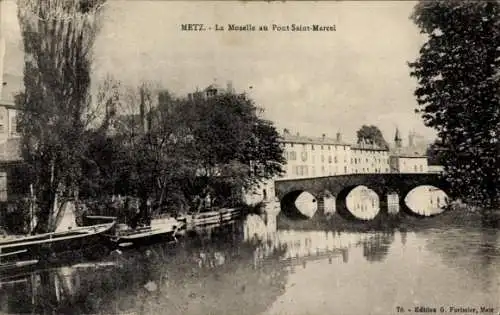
(289, 206)
(343, 208)
(424, 201)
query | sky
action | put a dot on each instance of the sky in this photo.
(313, 83)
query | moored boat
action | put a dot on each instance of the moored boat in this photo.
(159, 231)
(45, 247)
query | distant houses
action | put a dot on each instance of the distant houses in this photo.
(326, 156)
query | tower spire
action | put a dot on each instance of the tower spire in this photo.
(397, 138)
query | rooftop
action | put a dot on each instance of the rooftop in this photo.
(367, 146)
(408, 152)
(289, 138)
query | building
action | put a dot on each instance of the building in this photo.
(408, 163)
(369, 158)
(10, 153)
(408, 159)
(315, 157)
(324, 156)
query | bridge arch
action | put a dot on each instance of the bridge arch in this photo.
(359, 202)
(424, 201)
(291, 209)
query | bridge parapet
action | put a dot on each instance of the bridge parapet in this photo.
(381, 183)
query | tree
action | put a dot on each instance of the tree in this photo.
(434, 155)
(458, 92)
(234, 146)
(58, 37)
(371, 135)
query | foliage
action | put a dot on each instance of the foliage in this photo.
(175, 151)
(458, 92)
(434, 155)
(233, 144)
(371, 135)
(15, 216)
(58, 38)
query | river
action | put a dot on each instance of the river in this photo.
(254, 271)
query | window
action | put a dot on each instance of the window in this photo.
(322, 158)
(415, 168)
(321, 147)
(329, 147)
(336, 160)
(312, 147)
(304, 156)
(421, 168)
(291, 145)
(345, 169)
(330, 159)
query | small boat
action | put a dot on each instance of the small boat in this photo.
(159, 231)
(31, 250)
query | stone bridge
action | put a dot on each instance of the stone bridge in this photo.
(340, 186)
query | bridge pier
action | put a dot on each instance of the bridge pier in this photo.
(270, 216)
(392, 200)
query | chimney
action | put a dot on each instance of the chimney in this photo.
(323, 136)
(339, 137)
(286, 131)
(298, 134)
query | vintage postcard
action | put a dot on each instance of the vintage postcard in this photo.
(249, 157)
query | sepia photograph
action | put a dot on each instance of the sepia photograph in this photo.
(249, 157)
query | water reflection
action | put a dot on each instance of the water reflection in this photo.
(266, 272)
(298, 245)
(220, 279)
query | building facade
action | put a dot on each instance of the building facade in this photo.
(407, 163)
(410, 159)
(324, 156)
(369, 158)
(314, 157)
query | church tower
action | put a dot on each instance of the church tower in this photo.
(397, 139)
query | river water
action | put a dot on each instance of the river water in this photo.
(254, 271)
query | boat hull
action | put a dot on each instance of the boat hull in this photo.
(139, 239)
(52, 246)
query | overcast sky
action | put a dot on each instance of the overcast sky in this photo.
(308, 82)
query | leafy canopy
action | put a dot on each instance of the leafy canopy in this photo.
(458, 92)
